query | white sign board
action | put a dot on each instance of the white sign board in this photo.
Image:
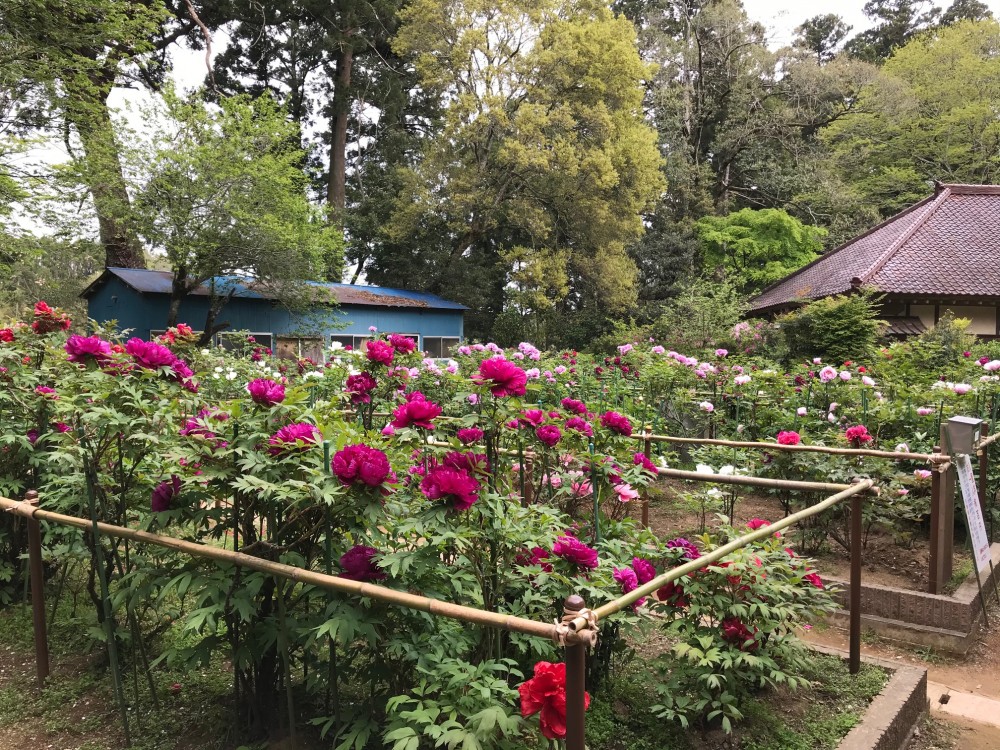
(973, 513)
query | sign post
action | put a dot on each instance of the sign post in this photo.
(977, 526)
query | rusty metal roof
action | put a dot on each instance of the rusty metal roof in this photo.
(159, 282)
(905, 326)
(947, 245)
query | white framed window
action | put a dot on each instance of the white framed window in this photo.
(439, 347)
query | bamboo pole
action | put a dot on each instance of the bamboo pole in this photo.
(778, 484)
(896, 455)
(381, 593)
(606, 610)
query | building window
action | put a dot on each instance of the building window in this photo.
(439, 346)
(347, 340)
(237, 341)
(293, 347)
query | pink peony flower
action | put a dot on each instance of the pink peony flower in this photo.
(789, 437)
(381, 352)
(82, 349)
(457, 488)
(923, 411)
(922, 473)
(149, 355)
(298, 436)
(184, 375)
(617, 423)
(164, 493)
(402, 344)
(416, 411)
(534, 556)
(741, 379)
(44, 390)
(672, 593)
(362, 464)
(572, 550)
(503, 378)
(266, 392)
(721, 352)
(802, 411)
(641, 459)
(533, 417)
(857, 436)
(574, 406)
(628, 580)
(690, 551)
(644, 570)
(961, 388)
(707, 406)
(358, 564)
(469, 435)
(626, 493)
(827, 374)
(580, 425)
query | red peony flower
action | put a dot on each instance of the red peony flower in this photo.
(359, 564)
(546, 693)
(789, 437)
(49, 319)
(534, 556)
(814, 579)
(857, 436)
(672, 593)
(454, 486)
(362, 464)
(734, 631)
(757, 523)
(504, 378)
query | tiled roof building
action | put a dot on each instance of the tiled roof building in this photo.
(941, 253)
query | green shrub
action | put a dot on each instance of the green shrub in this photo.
(835, 328)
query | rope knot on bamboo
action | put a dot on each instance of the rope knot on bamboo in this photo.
(563, 630)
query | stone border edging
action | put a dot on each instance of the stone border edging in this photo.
(890, 720)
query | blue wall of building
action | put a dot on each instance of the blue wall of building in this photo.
(143, 313)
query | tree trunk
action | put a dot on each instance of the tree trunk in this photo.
(88, 112)
(178, 291)
(337, 177)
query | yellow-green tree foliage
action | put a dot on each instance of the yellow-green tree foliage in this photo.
(541, 153)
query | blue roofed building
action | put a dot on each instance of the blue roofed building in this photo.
(138, 300)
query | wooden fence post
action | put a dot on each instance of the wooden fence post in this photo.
(576, 673)
(37, 576)
(854, 661)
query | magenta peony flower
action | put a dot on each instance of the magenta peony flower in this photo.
(402, 344)
(644, 570)
(548, 434)
(504, 378)
(7, 335)
(359, 564)
(572, 550)
(416, 411)
(82, 349)
(734, 631)
(455, 487)
(534, 556)
(61, 427)
(789, 437)
(362, 464)
(617, 423)
(360, 388)
(44, 390)
(690, 551)
(32, 436)
(627, 579)
(297, 436)
(381, 352)
(164, 493)
(533, 417)
(579, 424)
(857, 436)
(572, 405)
(266, 392)
(184, 375)
(469, 435)
(149, 355)
(473, 463)
(641, 459)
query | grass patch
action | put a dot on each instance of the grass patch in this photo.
(814, 718)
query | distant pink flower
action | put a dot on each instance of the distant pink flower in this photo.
(61, 427)
(266, 392)
(380, 352)
(457, 488)
(641, 459)
(49, 319)
(296, 436)
(922, 473)
(923, 411)
(32, 436)
(827, 374)
(658, 349)
(802, 411)
(504, 378)
(7, 335)
(962, 388)
(721, 352)
(741, 379)
(707, 406)
(416, 411)
(789, 437)
(573, 550)
(578, 424)
(626, 493)
(469, 435)
(82, 349)
(534, 556)
(572, 405)
(617, 423)
(845, 375)
(149, 355)
(533, 417)
(44, 390)
(183, 374)
(358, 564)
